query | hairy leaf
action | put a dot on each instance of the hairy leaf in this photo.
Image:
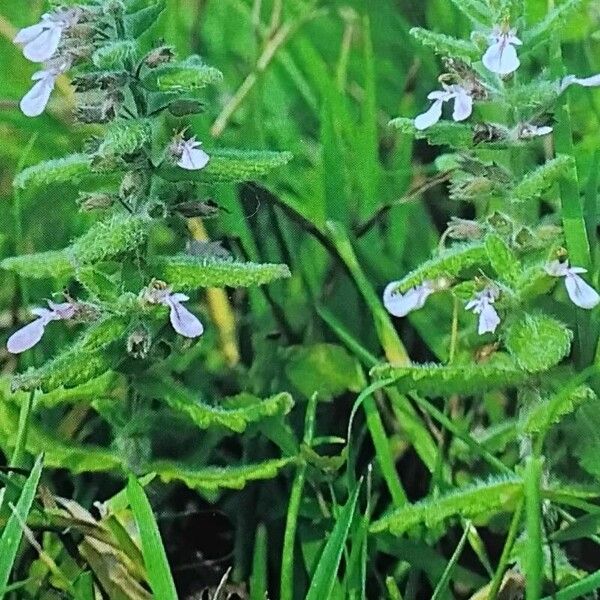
(535, 183)
(184, 76)
(446, 45)
(70, 169)
(443, 133)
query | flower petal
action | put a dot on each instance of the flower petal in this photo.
(43, 46)
(193, 159)
(35, 100)
(26, 337)
(501, 58)
(556, 268)
(581, 293)
(28, 34)
(429, 117)
(592, 81)
(488, 319)
(183, 321)
(399, 304)
(463, 105)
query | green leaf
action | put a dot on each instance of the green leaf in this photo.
(71, 169)
(556, 17)
(228, 165)
(500, 371)
(325, 574)
(539, 417)
(185, 272)
(446, 45)
(113, 54)
(155, 557)
(142, 20)
(502, 259)
(476, 10)
(52, 263)
(236, 413)
(259, 577)
(483, 498)
(443, 133)
(538, 342)
(210, 479)
(125, 137)
(534, 184)
(448, 264)
(184, 76)
(13, 532)
(326, 369)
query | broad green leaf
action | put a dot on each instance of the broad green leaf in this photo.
(502, 259)
(537, 342)
(326, 369)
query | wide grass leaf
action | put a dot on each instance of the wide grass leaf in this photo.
(325, 574)
(155, 558)
(12, 534)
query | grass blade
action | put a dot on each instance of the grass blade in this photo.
(258, 579)
(441, 587)
(533, 522)
(155, 558)
(326, 572)
(12, 534)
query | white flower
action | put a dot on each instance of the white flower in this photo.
(483, 305)
(182, 320)
(529, 131)
(463, 106)
(581, 293)
(35, 100)
(501, 55)
(399, 304)
(191, 157)
(568, 80)
(40, 41)
(28, 336)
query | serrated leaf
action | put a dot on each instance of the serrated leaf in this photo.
(235, 414)
(500, 371)
(448, 264)
(443, 133)
(534, 184)
(228, 165)
(446, 45)
(72, 169)
(502, 259)
(482, 499)
(183, 76)
(52, 263)
(185, 272)
(210, 479)
(539, 417)
(114, 53)
(538, 342)
(125, 137)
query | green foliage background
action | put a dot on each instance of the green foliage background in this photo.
(326, 94)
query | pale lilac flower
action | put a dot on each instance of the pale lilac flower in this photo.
(463, 106)
(483, 305)
(581, 293)
(40, 41)
(191, 157)
(501, 55)
(399, 304)
(182, 320)
(35, 100)
(529, 131)
(568, 80)
(28, 336)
